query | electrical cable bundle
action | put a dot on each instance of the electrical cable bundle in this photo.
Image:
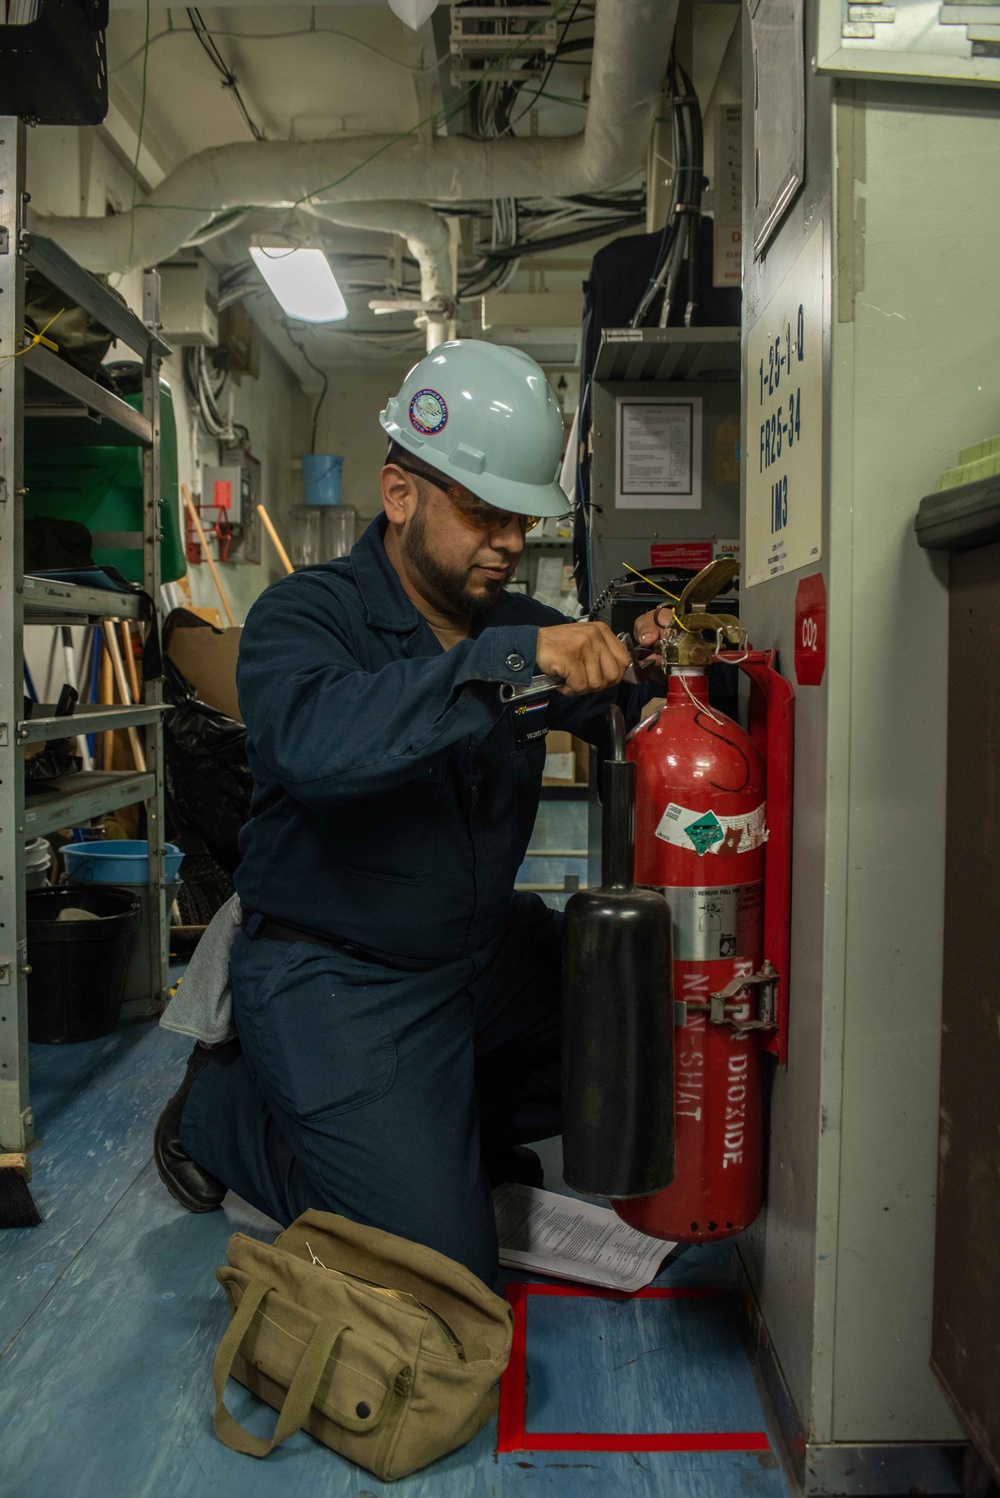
(215, 57)
(680, 232)
(591, 220)
(204, 386)
(491, 108)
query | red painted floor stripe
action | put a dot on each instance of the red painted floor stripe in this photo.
(594, 1292)
(513, 1394)
(511, 1433)
(724, 1440)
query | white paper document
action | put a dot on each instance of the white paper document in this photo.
(659, 453)
(549, 581)
(573, 1240)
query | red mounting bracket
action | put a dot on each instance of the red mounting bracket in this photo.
(772, 728)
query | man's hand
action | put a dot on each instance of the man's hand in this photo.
(587, 656)
(647, 631)
(651, 627)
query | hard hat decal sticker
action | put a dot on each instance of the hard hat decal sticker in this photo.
(428, 412)
(707, 833)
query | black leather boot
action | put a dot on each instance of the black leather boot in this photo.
(187, 1183)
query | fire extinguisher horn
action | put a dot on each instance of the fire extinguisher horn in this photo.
(618, 1030)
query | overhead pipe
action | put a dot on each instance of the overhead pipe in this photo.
(428, 239)
(631, 46)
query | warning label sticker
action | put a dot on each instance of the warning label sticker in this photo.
(707, 832)
(712, 925)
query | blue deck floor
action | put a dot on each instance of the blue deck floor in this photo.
(110, 1313)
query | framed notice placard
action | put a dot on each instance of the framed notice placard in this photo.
(659, 453)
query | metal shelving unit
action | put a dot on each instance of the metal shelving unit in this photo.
(35, 384)
(668, 354)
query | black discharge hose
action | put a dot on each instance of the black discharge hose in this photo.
(615, 724)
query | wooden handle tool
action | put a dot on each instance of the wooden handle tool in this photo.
(192, 509)
(269, 527)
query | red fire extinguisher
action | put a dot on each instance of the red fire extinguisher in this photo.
(713, 821)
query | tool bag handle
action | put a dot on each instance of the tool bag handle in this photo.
(301, 1390)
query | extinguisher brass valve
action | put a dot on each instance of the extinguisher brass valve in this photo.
(685, 643)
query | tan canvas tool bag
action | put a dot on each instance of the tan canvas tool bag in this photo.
(385, 1351)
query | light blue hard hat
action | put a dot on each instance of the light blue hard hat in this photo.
(485, 416)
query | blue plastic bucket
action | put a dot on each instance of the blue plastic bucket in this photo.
(322, 472)
(119, 861)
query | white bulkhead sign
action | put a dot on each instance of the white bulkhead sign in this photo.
(784, 440)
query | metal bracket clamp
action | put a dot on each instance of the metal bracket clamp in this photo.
(720, 1005)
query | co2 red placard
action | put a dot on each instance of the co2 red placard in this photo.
(810, 631)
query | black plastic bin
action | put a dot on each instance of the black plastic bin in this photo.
(77, 967)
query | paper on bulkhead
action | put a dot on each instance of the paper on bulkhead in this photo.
(573, 1240)
(549, 582)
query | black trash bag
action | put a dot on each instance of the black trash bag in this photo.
(79, 337)
(207, 778)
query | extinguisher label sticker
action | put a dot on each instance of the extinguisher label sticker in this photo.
(716, 924)
(706, 832)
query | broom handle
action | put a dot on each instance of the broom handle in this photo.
(202, 541)
(269, 527)
(133, 675)
(106, 694)
(111, 640)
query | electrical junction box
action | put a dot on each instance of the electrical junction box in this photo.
(189, 303)
(226, 493)
(239, 338)
(230, 494)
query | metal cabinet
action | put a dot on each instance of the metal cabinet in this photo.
(698, 369)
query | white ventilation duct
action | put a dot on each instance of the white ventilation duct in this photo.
(631, 47)
(428, 239)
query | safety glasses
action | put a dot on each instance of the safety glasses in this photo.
(473, 511)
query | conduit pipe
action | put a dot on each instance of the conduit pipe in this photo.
(631, 46)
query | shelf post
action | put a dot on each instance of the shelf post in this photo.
(16, 1125)
(152, 531)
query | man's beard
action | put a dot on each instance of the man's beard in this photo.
(450, 589)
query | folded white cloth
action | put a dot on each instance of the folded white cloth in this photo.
(202, 1006)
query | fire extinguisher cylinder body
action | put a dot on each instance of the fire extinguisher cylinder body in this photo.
(618, 1032)
(700, 832)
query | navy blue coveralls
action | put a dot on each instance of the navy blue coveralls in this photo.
(392, 808)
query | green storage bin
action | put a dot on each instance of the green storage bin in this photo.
(101, 486)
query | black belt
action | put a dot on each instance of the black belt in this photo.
(278, 931)
(255, 924)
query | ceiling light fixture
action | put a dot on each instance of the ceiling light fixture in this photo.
(302, 282)
(413, 12)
